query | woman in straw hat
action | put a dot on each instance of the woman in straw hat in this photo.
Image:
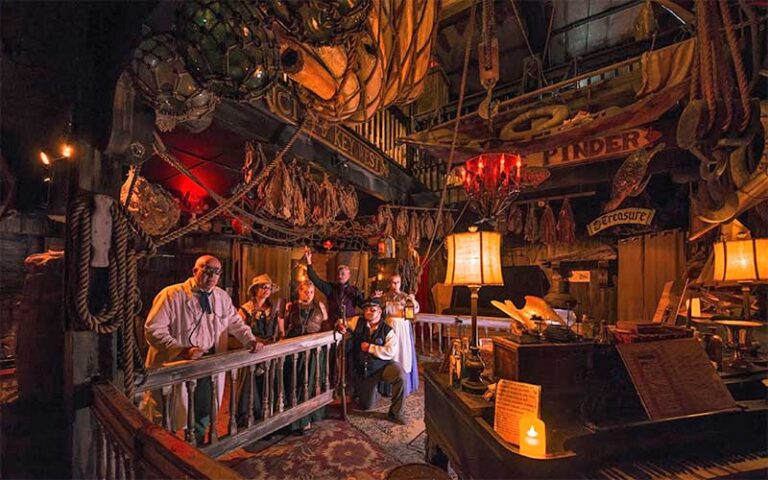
(265, 317)
(262, 314)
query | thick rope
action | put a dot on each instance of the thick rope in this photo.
(738, 64)
(705, 60)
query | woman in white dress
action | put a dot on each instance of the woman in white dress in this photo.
(394, 302)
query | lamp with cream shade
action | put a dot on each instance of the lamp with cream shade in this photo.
(745, 261)
(742, 261)
(474, 260)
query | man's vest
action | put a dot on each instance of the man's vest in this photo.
(365, 363)
(311, 323)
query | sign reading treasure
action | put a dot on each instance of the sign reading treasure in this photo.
(624, 216)
(336, 137)
(595, 148)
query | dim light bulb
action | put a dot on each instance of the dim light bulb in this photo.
(66, 150)
(44, 158)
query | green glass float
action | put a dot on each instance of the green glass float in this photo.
(228, 47)
(320, 22)
(162, 78)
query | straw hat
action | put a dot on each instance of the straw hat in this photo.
(262, 280)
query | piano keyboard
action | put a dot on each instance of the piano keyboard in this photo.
(735, 465)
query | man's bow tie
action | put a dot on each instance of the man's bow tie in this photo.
(205, 300)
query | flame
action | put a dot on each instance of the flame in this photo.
(44, 158)
(66, 150)
(532, 432)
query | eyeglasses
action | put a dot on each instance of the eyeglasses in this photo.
(265, 286)
(211, 271)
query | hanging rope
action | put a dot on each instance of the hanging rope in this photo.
(738, 65)
(449, 160)
(122, 303)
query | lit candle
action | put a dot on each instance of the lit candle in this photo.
(533, 437)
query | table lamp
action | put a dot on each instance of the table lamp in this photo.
(474, 260)
(744, 261)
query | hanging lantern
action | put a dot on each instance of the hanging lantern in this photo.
(328, 22)
(410, 309)
(161, 76)
(328, 244)
(228, 47)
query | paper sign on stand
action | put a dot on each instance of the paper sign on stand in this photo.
(513, 401)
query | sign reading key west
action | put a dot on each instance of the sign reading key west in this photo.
(624, 216)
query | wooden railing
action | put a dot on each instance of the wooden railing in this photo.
(129, 446)
(434, 332)
(278, 407)
(383, 131)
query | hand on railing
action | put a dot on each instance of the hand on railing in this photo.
(255, 346)
(341, 327)
(191, 353)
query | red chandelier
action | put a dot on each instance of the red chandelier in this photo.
(493, 180)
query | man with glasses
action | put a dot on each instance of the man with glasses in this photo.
(187, 321)
(372, 346)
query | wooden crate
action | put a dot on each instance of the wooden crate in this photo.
(560, 368)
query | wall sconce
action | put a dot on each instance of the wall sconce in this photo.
(533, 437)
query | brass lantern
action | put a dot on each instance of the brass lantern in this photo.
(162, 78)
(228, 47)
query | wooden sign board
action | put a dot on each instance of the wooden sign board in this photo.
(623, 216)
(580, 276)
(282, 103)
(513, 400)
(599, 147)
(675, 378)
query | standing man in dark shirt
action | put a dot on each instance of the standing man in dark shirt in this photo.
(342, 296)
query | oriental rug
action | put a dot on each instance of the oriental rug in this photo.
(333, 449)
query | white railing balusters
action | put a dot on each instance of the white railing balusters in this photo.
(213, 401)
(294, 361)
(280, 384)
(446, 324)
(251, 381)
(189, 435)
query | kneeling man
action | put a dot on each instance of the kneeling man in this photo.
(372, 345)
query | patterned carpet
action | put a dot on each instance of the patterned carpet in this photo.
(366, 447)
(333, 450)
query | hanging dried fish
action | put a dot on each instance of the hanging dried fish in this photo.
(401, 223)
(414, 228)
(531, 228)
(548, 227)
(566, 224)
(349, 202)
(385, 221)
(515, 220)
(428, 225)
(327, 207)
(275, 193)
(300, 210)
